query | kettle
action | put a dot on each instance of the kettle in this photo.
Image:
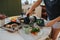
(24, 19)
(27, 19)
(32, 19)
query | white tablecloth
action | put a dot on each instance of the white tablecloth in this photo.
(5, 35)
(42, 35)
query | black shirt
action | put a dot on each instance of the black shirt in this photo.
(52, 8)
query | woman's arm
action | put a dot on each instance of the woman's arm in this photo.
(33, 7)
(50, 23)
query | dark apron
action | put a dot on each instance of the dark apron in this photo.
(52, 8)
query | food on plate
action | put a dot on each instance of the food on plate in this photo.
(8, 26)
(35, 30)
(13, 19)
(40, 22)
(14, 25)
(22, 20)
(11, 27)
(34, 33)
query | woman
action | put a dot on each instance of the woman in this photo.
(53, 11)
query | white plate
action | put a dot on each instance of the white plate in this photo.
(30, 36)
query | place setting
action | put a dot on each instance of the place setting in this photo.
(29, 27)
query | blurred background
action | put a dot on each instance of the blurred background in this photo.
(15, 7)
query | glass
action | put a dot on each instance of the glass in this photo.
(2, 22)
(27, 29)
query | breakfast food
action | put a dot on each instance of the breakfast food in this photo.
(40, 22)
(22, 21)
(11, 27)
(34, 31)
(8, 26)
(13, 19)
(14, 25)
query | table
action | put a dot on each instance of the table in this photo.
(5, 35)
(42, 35)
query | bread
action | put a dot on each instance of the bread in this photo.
(14, 25)
(8, 26)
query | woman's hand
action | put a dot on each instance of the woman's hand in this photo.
(29, 12)
(58, 18)
(52, 22)
(36, 4)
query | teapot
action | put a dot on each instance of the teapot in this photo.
(26, 18)
(32, 19)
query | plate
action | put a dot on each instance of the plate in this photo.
(30, 36)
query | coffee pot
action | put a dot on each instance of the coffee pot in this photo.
(31, 20)
(26, 18)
